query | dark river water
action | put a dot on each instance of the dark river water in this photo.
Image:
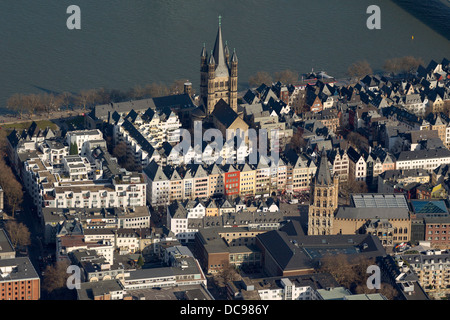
(124, 43)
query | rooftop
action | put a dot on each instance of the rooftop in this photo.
(17, 269)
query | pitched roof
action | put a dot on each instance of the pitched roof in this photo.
(371, 213)
(323, 173)
(219, 56)
(137, 135)
(224, 113)
(423, 154)
(353, 154)
(155, 172)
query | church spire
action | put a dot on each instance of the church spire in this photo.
(234, 56)
(219, 54)
(204, 53)
(211, 60)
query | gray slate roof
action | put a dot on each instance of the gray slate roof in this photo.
(371, 213)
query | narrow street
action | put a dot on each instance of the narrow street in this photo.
(36, 250)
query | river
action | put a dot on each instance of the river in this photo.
(124, 43)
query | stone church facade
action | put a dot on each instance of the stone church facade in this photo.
(219, 75)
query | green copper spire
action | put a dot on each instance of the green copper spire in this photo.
(220, 20)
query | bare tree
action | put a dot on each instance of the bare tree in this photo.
(351, 186)
(14, 195)
(12, 189)
(156, 90)
(386, 290)
(177, 87)
(352, 274)
(260, 78)
(51, 102)
(406, 64)
(67, 99)
(358, 141)
(409, 64)
(138, 92)
(338, 266)
(359, 69)
(102, 96)
(286, 76)
(18, 233)
(55, 277)
(299, 103)
(446, 107)
(17, 103)
(297, 141)
(87, 98)
(34, 104)
(120, 152)
(227, 272)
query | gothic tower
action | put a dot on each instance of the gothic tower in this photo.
(324, 200)
(218, 75)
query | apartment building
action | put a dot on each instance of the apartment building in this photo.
(428, 159)
(19, 280)
(7, 250)
(94, 218)
(91, 181)
(263, 177)
(79, 137)
(65, 244)
(302, 287)
(216, 180)
(186, 218)
(218, 247)
(303, 172)
(120, 192)
(433, 270)
(102, 290)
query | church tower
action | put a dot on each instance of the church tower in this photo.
(218, 75)
(324, 199)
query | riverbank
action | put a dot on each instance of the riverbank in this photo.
(17, 122)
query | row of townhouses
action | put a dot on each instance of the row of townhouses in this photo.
(169, 183)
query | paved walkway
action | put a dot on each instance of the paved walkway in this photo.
(5, 119)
